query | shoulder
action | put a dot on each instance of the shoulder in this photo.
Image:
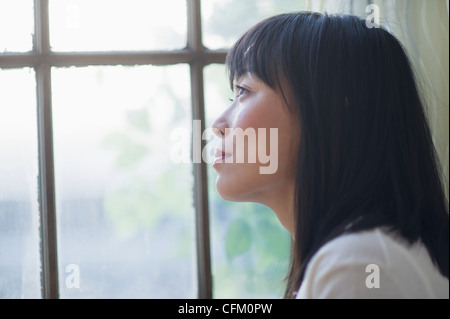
(361, 247)
(370, 264)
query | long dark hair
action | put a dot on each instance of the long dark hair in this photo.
(366, 156)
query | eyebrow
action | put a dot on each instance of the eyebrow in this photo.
(236, 81)
(240, 79)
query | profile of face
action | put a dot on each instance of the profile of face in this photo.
(263, 111)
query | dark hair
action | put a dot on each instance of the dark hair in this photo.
(366, 156)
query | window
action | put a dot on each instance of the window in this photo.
(91, 204)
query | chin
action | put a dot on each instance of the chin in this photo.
(241, 182)
(226, 191)
(234, 191)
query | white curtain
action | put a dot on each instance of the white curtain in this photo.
(422, 26)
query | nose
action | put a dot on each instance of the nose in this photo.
(222, 123)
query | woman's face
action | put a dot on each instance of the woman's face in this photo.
(260, 137)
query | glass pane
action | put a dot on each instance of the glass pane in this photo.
(20, 263)
(250, 248)
(125, 209)
(109, 25)
(224, 21)
(16, 25)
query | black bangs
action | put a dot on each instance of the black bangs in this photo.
(259, 51)
(266, 49)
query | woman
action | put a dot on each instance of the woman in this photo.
(357, 183)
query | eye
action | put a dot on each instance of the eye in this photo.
(240, 91)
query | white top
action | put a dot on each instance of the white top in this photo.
(372, 264)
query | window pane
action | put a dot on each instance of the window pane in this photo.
(224, 21)
(16, 25)
(104, 25)
(19, 208)
(250, 248)
(125, 210)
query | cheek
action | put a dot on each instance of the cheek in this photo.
(253, 137)
(279, 129)
(257, 113)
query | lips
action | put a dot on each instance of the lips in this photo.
(220, 156)
(219, 153)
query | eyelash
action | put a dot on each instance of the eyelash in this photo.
(239, 92)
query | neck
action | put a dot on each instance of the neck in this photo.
(282, 203)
